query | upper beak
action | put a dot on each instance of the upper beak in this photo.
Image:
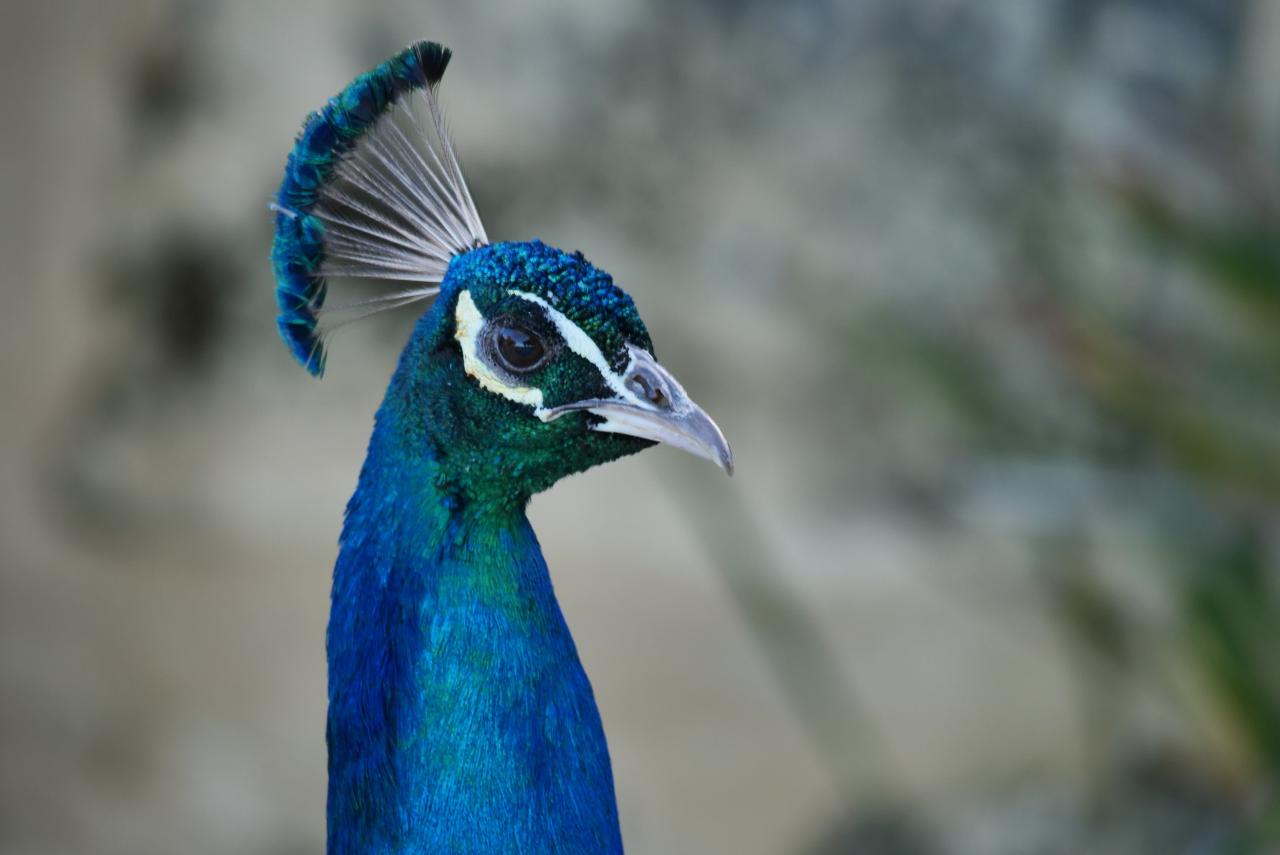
(656, 407)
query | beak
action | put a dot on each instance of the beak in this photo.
(653, 405)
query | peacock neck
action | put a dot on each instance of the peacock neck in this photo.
(460, 719)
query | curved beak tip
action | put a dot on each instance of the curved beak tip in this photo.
(726, 461)
(667, 416)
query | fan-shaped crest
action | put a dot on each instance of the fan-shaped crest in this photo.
(371, 190)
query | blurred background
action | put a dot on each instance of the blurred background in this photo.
(985, 294)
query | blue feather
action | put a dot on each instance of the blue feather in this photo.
(298, 252)
(460, 717)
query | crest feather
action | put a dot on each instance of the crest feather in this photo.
(372, 190)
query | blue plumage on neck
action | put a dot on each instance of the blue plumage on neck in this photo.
(460, 718)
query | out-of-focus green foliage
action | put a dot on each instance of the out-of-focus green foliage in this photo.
(1196, 406)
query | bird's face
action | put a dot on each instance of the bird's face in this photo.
(538, 366)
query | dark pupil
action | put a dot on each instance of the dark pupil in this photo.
(520, 349)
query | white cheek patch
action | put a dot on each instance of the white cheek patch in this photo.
(583, 345)
(468, 322)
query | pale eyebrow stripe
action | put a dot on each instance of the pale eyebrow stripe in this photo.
(580, 343)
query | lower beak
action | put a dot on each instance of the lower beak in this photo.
(692, 430)
(658, 409)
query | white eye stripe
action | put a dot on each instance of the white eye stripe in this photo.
(468, 323)
(582, 344)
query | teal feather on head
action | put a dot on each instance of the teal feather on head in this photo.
(569, 283)
(460, 719)
(313, 175)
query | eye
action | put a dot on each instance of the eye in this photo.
(518, 348)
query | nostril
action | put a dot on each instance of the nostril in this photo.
(648, 389)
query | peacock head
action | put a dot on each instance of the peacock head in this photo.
(530, 365)
(533, 365)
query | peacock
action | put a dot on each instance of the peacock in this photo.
(460, 719)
